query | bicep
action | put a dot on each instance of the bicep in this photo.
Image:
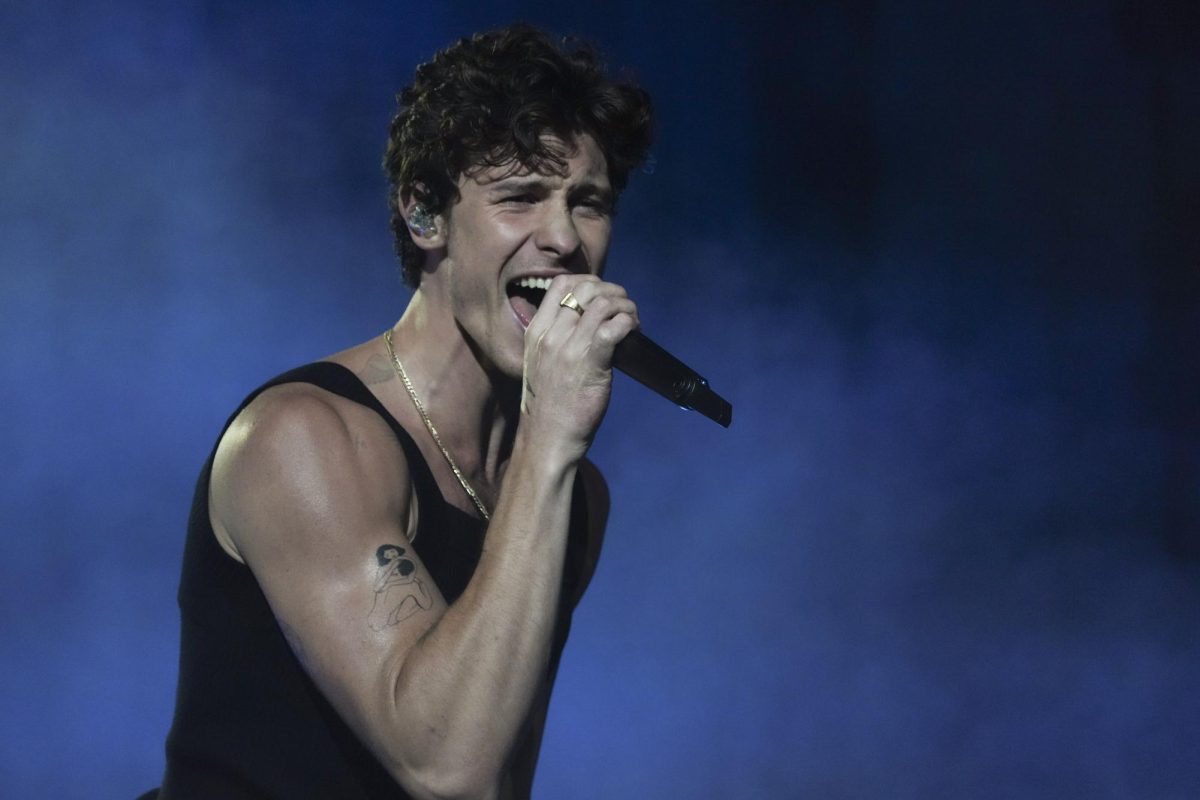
(312, 505)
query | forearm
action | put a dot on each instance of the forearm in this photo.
(465, 689)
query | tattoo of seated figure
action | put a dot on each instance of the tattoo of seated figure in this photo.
(399, 593)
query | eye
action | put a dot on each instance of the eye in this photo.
(593, 205)
(518, 199)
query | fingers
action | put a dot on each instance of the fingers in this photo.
(587, 291)
(605, 316)
(602, 297)
(563, 284)
(599, 316)
(550, 310)
(568, 355)
(593, 322)
(610, 332)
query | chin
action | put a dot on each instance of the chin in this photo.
(506, 367)
(513, 373)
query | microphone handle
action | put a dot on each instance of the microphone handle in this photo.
(658, 370)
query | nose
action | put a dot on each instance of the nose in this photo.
(557, 233)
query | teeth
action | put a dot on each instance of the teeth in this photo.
(534, 283)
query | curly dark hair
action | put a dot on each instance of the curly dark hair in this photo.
(490, 100)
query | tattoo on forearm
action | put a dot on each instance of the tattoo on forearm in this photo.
(399, 593)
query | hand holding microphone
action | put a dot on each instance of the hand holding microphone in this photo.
(656, 369)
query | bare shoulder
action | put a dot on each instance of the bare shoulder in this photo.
(313, 491)
(598, 502)
(297, 450)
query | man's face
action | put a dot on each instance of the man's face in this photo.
(509, 226)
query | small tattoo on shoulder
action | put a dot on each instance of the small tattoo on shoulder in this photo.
(399, 592)
(377, 370)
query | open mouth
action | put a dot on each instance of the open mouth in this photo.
(525, 295)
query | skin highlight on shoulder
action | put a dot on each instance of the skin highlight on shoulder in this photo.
(295, 445)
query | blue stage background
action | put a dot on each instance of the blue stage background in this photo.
(942, 258)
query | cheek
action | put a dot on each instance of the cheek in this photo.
(505, 226)
(596, 248)
(498, 242)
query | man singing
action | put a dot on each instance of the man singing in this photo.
(386, 545)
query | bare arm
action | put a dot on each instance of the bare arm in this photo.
(308, 489)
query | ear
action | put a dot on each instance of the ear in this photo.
(427, 231)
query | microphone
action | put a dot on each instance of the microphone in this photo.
(656, 369)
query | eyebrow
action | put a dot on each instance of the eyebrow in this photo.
(520, 182)
(517, 182)
(537, 182)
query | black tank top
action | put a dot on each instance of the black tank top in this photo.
(249, 722)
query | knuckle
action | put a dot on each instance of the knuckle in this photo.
(602, 305)
(562, 283)
(552, 337)
(575, 351)
(615, 329)
(584, 286)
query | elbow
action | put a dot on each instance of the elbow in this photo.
(459, 780)
(458, 787)
(437, 754)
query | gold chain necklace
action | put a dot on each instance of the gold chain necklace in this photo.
(387, 338)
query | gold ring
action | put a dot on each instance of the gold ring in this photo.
(570, 302)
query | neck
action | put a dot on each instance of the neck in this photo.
(474, 408)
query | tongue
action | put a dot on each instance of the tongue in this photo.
(523, 309)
